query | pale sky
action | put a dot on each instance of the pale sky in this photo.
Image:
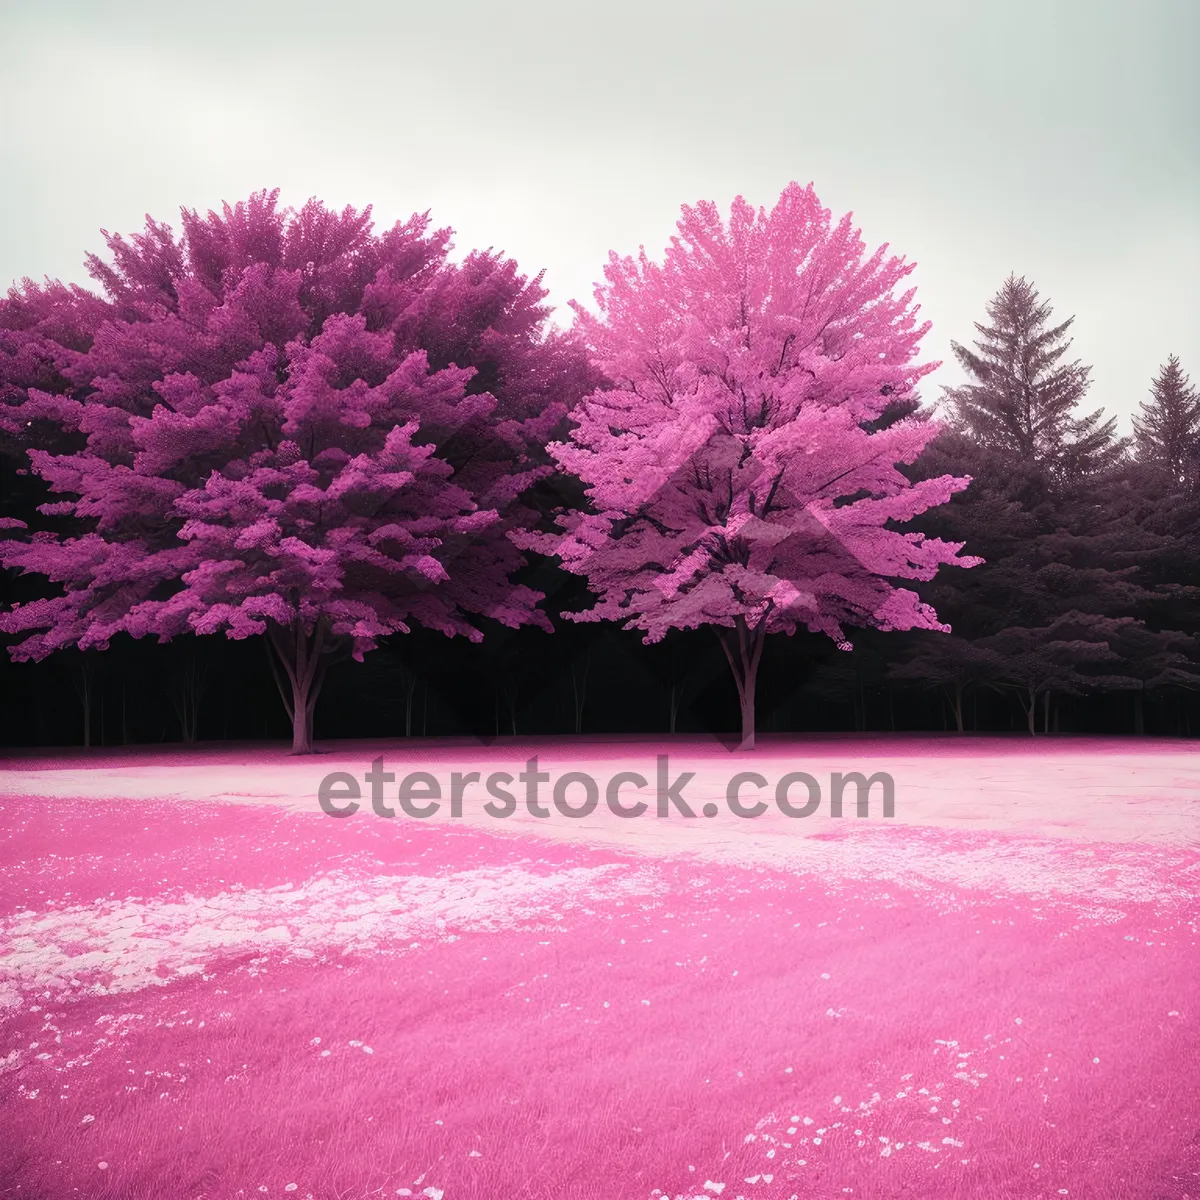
(1059, 139)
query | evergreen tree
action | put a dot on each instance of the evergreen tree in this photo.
(1067, 655)
(1167, 432)
(945, 661)
(1067, 527)
(1021, 404)
(1153, 660)
(858, 679)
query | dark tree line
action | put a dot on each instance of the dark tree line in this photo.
(1090, 543)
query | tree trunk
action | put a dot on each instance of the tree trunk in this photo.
(956, 697)
(676, 700)
(512, 693)
(303, 657)
(299, 711)
(743, 646)
(1046, 711)
(1139, 713)
(410, 688)
(1031, 712)
(747, 706)
(83, 689)
(579, 690)
(186, 693)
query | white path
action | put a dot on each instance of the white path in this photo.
(1122, 791)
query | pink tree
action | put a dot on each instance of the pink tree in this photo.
(742, 467)
(280, 430)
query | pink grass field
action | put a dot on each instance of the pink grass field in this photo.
(210, 989)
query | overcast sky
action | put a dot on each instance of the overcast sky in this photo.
(1053, 138)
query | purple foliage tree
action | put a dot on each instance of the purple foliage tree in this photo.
(288, 425)
(739, 470)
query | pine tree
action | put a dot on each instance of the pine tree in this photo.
(1021, 405)
(953, 664)
(1063, 527)
(1167, 432)
(1153, 660)
(1067, 656)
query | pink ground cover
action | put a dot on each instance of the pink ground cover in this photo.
(205, 999)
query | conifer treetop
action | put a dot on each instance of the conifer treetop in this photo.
(1022, 402)
(1167, 430)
